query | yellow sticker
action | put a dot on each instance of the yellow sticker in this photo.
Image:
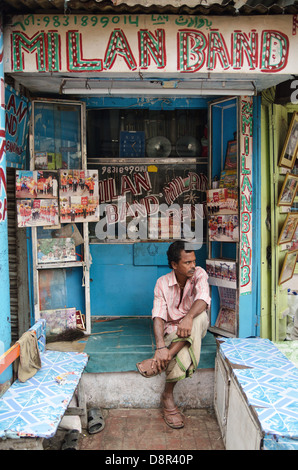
(152, 169)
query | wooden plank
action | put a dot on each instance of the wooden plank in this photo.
(9, 356)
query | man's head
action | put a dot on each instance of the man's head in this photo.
(181, 260)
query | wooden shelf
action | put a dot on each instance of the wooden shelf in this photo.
(67, 264)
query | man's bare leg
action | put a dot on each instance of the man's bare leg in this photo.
(174, 348)
(171, 413)
(168, 396)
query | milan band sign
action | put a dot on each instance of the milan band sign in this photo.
(171, 44)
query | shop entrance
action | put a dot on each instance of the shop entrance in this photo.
(152, 165)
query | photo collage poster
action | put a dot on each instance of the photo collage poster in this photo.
(79, 196)
(221, 273)
(49, 197)
(226, 319)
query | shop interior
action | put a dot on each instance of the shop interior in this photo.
(139, 150)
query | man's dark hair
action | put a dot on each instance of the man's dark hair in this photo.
(174, 252)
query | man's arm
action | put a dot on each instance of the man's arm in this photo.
(185, 326)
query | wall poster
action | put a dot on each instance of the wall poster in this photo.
(78, 196)
(37, 212)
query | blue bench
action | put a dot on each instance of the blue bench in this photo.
(256, 395)
(31, 411)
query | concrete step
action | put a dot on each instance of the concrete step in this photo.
(131, 390)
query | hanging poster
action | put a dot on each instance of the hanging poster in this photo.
(37, 212)
(221, 273)
(289, 151)
(55, 250)
(288, 190)
(226, 318)
(222, 201)
(288, 267)
(231, 156)
(223, 228)
(36, 184)
(293, 244)
(79, 200)
(288, 229)
(17, 115)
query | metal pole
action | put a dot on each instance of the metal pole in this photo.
(5, 328)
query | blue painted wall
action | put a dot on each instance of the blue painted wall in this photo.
(123, 277)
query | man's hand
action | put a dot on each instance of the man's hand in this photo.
(184, 327)
(162, 357)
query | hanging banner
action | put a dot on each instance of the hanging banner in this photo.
(17, 114)
(246, 203)
(140, 43)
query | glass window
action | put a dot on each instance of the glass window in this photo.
(114, 133)
(148, 161)
(57, 136)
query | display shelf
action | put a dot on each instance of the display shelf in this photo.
(67, 150)
(222, 240)
(67, 264)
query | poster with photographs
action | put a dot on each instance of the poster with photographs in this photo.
(222, 273)
(293, 245)
(222, 201)
(288, 190)
(226, 319)
(36, 184)
(288, 267)
(55, 250)
(290, 147)
(223, 228)
(288, 229)
(79, 200)
(231, 156)
(37, 212)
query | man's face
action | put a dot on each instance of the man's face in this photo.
(186, 265)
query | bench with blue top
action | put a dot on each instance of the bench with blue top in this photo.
(32, 410)
(262, 388)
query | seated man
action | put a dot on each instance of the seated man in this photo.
(180, 322)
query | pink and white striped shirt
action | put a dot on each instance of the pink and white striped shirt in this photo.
(167, 295)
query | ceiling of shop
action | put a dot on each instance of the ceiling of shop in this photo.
(53, 84)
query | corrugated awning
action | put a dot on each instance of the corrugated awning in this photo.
(191, 7)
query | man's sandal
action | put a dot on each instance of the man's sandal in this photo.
(148, 368)
(173, 418)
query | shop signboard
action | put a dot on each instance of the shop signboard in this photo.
(167, 43)
(245, 191)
